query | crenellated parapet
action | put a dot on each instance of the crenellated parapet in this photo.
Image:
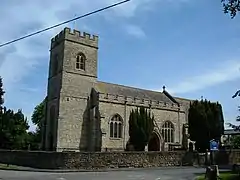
(135, 101)
(75, 36)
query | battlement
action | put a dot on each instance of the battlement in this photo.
(75, 36)
(136, 101)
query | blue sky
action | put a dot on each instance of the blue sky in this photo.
(189, 46)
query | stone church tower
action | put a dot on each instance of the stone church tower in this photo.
(72, 74)
(84, 114)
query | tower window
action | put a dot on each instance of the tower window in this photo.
(80, 62)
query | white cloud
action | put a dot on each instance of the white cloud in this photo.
(130, 8)
(227, 71)
(19, 64)
(23, 59)
(135, 31)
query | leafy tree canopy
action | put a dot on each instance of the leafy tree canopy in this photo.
(1, 92)
(235, 127)
(205, 123)
(231, 7)
(38, 114)
(14, 128)
(37, 117)
(235, 142)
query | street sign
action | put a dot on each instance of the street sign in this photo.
(213, 145)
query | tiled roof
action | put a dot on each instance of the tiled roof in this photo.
(117, 89)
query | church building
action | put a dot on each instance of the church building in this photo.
(84, 114)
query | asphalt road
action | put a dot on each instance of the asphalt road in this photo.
(143, 174)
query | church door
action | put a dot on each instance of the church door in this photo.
(154, 143)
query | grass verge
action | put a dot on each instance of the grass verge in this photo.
(5, 166)
(223, 176)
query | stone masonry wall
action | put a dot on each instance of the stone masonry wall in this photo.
(77, 160)
(228, 157)
(109, 108)
(73, 86)
(105, 160)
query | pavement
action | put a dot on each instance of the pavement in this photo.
(168, 173)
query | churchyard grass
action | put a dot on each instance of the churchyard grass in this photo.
(223, 176)
(6, 166)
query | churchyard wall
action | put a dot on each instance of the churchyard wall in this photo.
(101, 160)
(106, 160)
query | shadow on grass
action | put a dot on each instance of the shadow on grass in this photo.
(224, 175)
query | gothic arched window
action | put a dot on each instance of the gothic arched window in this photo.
(168, 132)
(116, 125)
(80, 61)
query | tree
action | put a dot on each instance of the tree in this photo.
(1, 93)
(13, 126)
(205, 123)
(1, 108)
(235, 127)
(37, 117)
(14, 130)
(235, 142)
(19, 130)
(231, 6)
(33, 140)
(140, 128)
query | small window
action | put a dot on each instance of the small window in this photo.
(80, 62)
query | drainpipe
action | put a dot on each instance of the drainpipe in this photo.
(150, 108)
(125, 121)
(179, 127)
(46, 127)
(150, 111)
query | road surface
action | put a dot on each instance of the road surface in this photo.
(143, 174)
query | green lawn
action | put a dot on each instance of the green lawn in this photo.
(5, 166)
(223, 176)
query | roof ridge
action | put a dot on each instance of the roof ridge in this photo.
(132, 87)
(180, 98)
(170, 97)
(119, 89)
